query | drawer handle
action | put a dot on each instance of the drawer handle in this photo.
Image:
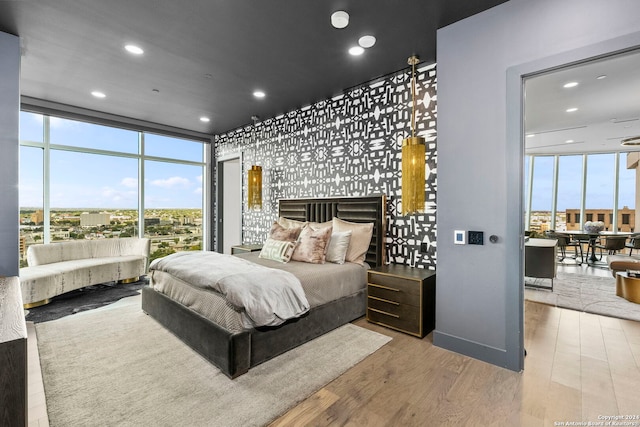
(385, 300)
(384, 287)
(384, 312)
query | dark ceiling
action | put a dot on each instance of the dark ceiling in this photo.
(206, 57)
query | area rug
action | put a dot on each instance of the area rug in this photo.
(590, 294)
(117, 366)
(87, 298)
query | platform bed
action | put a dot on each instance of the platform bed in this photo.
(235, 353)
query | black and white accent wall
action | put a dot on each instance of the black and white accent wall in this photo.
(349, 145)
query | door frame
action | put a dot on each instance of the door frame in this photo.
(219, 247)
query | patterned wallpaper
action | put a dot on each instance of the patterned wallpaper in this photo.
(349, 145)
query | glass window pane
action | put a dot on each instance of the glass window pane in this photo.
(31, 190)
(569, 192)
(88, 135)
(172, 148)
(173, 207)
(627, 194)
(542, 194)
(600, 186)
(31, 127)
(92, 196)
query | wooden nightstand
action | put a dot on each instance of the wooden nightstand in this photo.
(403, 298)
(241, 249)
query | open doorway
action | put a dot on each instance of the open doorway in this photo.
(229, 202)
(578, 173)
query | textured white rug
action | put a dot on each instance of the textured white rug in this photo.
(117, 366)
(580, 292)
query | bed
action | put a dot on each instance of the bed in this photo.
(234, 350)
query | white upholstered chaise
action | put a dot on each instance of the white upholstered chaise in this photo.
(56, 268)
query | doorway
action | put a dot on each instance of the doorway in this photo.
(229, 201)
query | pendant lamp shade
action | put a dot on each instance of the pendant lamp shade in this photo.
(413, 158)
(254, 182)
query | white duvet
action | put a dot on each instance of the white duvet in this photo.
(268, 296)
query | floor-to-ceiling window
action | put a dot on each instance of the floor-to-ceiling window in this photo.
(566, 191)
(82, 181)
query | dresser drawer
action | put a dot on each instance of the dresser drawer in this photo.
(396, 283)
(394, 294)
(407, 318)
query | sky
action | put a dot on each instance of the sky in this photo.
(82, 180)
(600, 182)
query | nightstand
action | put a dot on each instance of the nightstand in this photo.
(241, 249)
(402, 298)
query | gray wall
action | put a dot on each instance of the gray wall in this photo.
(9, 114)
(480, 63)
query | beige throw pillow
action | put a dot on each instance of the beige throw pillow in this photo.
(291, 223)
(311, 245)
(360, 238)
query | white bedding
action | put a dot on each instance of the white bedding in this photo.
(268, 296)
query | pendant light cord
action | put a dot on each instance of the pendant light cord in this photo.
(413, 60)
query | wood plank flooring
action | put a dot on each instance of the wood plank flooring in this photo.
(579, 366)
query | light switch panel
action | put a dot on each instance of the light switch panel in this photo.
(459, 237)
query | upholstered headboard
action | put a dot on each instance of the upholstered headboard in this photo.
(354, 209)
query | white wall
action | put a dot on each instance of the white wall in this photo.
(9, 116)
(232, 195)
(480, 63)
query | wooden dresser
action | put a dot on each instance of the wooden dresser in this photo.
(402, 298)
(241, 249)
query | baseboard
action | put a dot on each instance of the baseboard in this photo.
(495, 356)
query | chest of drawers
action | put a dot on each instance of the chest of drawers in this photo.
(402, 298)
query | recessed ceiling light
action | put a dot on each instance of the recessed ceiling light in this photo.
(603, 76)
(98, 94)
(259, 94)
(340, 19)
(571, 110)
(136, 50)
(531, 135)
(205, 119)
(634, 140)
(356, 51)
(367, 41)
(570, 84)
(569, 141)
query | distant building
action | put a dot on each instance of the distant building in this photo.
(626, 218)
(151, 221)
(37, 217)
(94, 219)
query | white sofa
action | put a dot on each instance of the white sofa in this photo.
(56, 268)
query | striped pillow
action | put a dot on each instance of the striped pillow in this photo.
(277, 250)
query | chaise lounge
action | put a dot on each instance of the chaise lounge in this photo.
(56, 268)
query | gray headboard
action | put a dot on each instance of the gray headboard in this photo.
(354, 209)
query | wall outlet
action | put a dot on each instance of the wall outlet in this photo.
(476, 238)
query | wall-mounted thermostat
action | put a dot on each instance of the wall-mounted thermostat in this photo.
(459, 237)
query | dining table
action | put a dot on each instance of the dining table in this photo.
(593, 240)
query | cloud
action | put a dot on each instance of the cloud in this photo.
(198, 190)
(129, 182)
(199, 179)
(58, 123)
(173, 182)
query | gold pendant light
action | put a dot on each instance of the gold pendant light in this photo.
(413, 158)
(254, 182)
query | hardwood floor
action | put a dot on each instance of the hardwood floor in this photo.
(579, 366)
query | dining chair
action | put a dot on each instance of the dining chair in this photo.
(565, 241)
(611, 244)
(634, 243)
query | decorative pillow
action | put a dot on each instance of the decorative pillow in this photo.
(277, 250)
(338, 245)
(311, 245)
(291, 223)
(317, 225)
(279, 232)
(360, 238)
